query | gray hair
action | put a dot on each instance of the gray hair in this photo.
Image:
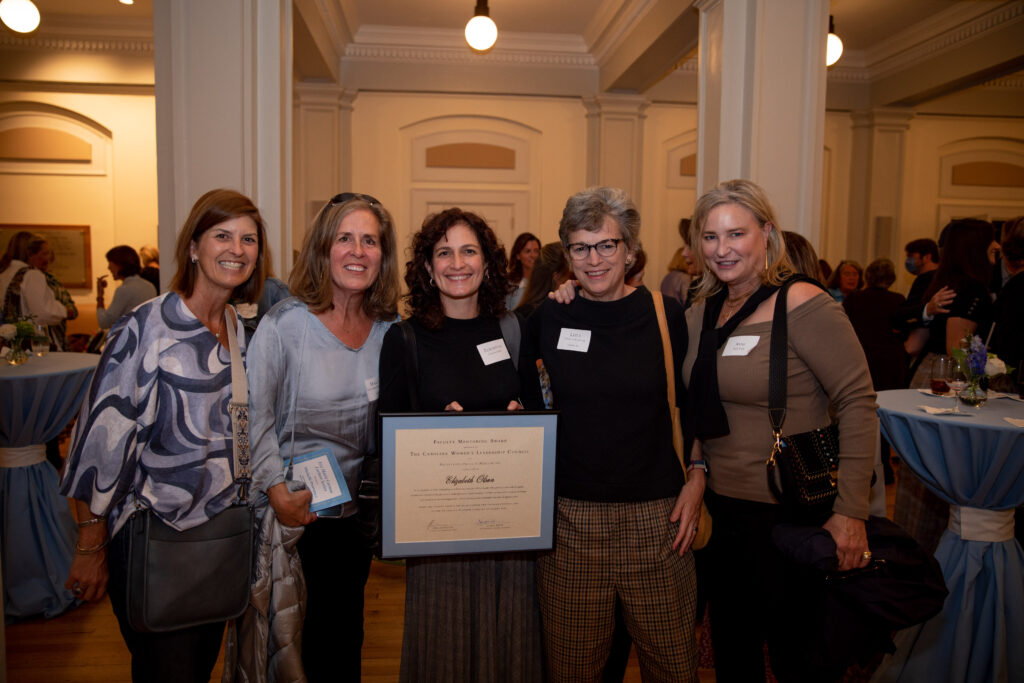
(586, 210)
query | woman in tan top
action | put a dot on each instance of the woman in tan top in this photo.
(741, 252)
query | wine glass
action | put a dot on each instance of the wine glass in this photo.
(957, 380)
(40, 341)
(940, 371)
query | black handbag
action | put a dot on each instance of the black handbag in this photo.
(178, 579)
(802, 469)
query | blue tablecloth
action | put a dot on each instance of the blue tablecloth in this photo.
(37, 531)
(975, 462)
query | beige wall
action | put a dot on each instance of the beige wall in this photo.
(925, 204)
(121, 206)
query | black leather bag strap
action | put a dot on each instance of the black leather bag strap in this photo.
(412, 363)
(511, 334)
(777, 366)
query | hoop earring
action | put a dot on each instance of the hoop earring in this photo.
(432, 282)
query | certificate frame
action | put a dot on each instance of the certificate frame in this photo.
(396, 508)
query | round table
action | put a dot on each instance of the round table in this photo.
(37, 531)
(976, 464)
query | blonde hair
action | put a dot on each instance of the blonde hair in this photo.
(750, 196)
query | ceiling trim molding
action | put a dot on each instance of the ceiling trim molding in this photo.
(448, 46)
(943, 33)
(82, 44)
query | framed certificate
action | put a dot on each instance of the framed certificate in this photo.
(455, 483)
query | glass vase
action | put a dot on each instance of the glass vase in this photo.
(17, 356)
(973, 395)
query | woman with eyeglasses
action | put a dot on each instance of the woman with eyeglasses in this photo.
(625, 520)
(467, 617)
(313, 386)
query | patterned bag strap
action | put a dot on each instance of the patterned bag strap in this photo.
(12, 298)
(239, 409)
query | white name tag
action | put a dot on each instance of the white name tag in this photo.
(372, 388)
(740, 346)
(493, 351)
(574, 340)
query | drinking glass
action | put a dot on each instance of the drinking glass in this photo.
(943, 371)
(957, 380)
(40, 341)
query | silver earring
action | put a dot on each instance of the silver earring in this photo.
(194, 260)
(432, 282)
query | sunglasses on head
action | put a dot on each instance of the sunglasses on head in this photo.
(349, 196)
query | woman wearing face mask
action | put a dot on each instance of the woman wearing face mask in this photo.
(467, 617)
(625, 520)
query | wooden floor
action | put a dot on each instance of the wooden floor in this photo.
(84, 645)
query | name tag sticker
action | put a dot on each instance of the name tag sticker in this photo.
(741, 345)
(372, 388)
(493, 351)
(574, 340)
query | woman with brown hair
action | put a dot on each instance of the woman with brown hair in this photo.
(523, 255)
(313, 379)
(467, 617)
(155, 431)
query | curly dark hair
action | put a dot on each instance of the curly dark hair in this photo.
(423, 298)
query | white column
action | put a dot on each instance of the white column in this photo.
(615, 139)
(876, 184)
(223, 111)
(322, 149)
(762, 101)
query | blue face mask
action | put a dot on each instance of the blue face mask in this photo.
(912, 265)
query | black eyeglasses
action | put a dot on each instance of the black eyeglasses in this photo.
(605, 248)
(349, 196)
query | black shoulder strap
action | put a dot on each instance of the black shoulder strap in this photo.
(412, 360)
(511, 334)
(777, 366)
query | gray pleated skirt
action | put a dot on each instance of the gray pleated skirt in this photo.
(472, 618)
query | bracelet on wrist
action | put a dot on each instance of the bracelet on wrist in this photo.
(93, 520)
(93, 550)
(698, 465)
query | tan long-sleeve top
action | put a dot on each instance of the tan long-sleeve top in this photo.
(826, 366)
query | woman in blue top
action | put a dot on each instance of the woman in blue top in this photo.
(313, 386)
(154, 430)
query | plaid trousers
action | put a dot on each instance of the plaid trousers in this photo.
(625, 549)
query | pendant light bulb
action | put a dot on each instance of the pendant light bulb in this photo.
(19, 15)
(481, 31)
(833, 46)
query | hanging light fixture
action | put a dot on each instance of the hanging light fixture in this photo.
(834, 46)
(481, 32)
(19, 15)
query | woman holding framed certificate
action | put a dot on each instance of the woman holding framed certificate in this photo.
(624, 518)
(313, 393)
(467, 617)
